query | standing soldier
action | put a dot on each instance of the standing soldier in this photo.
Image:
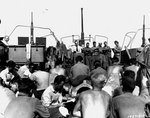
(95, 53)
(100, 47)
(87, 54)
(107, 53)
(101, 56)
(117, 51)
(76, 49)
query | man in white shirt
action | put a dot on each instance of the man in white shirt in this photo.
(52, 96)
(24, 71)
(9, 72)
(76, 48)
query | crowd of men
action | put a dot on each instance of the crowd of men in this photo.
(101, 53)
(98, 91)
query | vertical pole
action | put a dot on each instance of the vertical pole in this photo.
(82, 28)
(31, 37)
(73, 39)
(32, 30)
(90, 38)
(143, 37)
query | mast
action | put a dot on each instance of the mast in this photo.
(143, 37)
(32, 30)
(82, 28)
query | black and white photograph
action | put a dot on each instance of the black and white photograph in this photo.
(74, 59)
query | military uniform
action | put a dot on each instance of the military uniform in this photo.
(102, 58)
(107, 53)
(95, 55)
(117, 53)
(87, 54)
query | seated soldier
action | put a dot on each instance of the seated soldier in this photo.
(52, 96)
(94, 103)
(24, 106)
(134, 66)
(114, 75)
(128, 105)
(98, 67)
(41, 78)
(118, 90)
(26, 70)
(6, 95)
(79, 72)
(9, 72)
(58, 68)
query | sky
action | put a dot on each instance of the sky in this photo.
(109, 18)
